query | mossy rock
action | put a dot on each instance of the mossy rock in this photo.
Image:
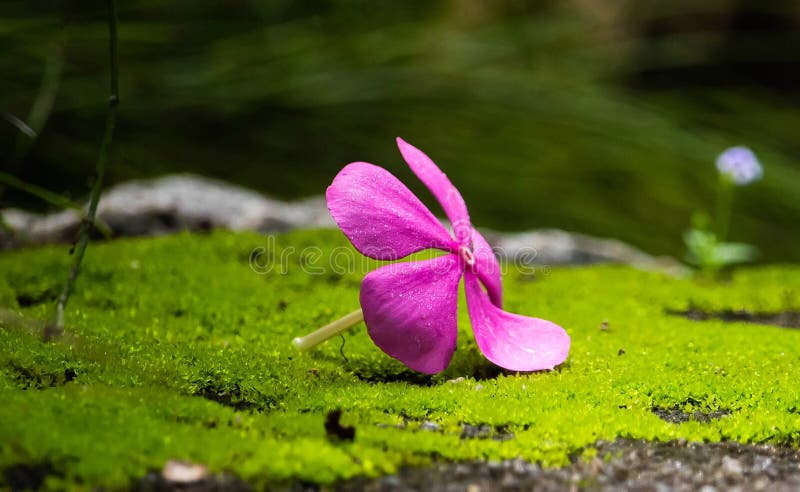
(180, 348)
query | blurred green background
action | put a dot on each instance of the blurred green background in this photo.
(594, 116)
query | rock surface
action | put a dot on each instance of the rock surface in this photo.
(187, 202)
(624, 464)
(557, 247)
(170, 204)
(620, 465)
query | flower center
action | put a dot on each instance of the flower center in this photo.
(466, 255)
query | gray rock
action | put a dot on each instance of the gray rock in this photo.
(29, 228)
(170, 204)
(194, 202)
(539, 249)
(180, 202)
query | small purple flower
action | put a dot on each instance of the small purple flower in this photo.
(741, 164)
(411, 308)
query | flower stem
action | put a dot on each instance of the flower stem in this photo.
(725, 187)
(88, 223)
(328, 331)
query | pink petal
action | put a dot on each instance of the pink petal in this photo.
(511, 341)
(441, 187)
(380, 216)
(410, 310)
(487, 268)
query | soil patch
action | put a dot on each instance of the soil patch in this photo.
(30, 476)
(370, 375)
(675, 415)
(485, 431)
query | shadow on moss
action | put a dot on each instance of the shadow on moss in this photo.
(477, 368)
(783, 319)
(40, 379)
(28, 476)
(233, 397)
(470, 362)
(375, 375)
(33, 298)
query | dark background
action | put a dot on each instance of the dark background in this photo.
(594, 116)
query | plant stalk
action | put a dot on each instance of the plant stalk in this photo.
(87, 224)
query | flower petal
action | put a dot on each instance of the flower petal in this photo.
(410, 310)
(511, 341)
(441, 187)
(487, 268)
(380, 215)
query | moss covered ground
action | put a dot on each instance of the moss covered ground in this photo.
(177, 348)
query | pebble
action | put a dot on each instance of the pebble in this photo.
(430, 426)
(182, 472)
(731, 467)
(762, 463)
(662, 487)
(392, 482)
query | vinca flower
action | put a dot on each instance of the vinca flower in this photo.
(740, 164)
(411, 308)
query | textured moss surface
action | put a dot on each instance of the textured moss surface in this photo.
(177, 349)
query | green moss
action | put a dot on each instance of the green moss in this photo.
(177, 349)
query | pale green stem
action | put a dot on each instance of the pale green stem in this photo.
(725, 188)
(329, 331)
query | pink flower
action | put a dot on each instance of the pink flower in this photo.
(411, 308)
